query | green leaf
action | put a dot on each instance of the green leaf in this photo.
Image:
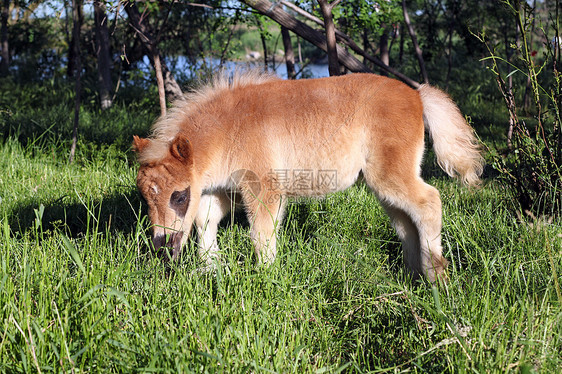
(119, 295)
(73, 253)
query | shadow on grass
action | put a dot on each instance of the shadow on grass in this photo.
(118, 212)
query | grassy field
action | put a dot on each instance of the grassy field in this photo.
(81, 292)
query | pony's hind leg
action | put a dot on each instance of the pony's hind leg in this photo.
(415, 210)
(426, 214)
(416, 217)
(212, 209)
(409, 236)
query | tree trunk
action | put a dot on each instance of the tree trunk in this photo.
(77, 66)
(401, 48)
(150, 45)
(415, 42)
(283, 18)
(316, 38)
(365, 39)
(263, 44)
(171, 86)
(326, 9)
(74, 50)
(509, 51)
(103, 56)
(384, 51)
(449, 56)
(5, 57)
(526, 95)
(289, 53)
(164, 78)
(159, 82)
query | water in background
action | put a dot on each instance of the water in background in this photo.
(310, 71)
(181, 66)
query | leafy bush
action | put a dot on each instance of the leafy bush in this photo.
(531, 163)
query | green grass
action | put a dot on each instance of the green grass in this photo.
(80, 291)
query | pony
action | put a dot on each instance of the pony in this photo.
(268, 139)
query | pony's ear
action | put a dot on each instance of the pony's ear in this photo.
(181, 148)
(139, 143)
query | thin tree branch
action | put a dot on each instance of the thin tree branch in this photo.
(326, 8)
(274, 11)
(415, 42)
(345, 39)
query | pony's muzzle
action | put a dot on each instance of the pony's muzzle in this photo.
(169, 241)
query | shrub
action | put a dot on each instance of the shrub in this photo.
(531, 163)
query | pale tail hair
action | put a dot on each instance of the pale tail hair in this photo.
(456, 147)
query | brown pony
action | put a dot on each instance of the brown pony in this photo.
(269, 139)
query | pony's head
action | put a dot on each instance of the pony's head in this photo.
(165, 181)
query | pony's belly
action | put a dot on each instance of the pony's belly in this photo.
(318, 181)
(318, 165)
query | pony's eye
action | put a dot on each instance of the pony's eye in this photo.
(179, 197)
(180, 200)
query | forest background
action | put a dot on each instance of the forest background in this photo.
(80, 289)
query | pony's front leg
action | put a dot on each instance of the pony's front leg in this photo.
(181, 233)
(212, 209)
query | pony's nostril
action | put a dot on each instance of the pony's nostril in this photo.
(158, 241)
(171, 241)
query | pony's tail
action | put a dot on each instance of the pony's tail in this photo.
(454, 142)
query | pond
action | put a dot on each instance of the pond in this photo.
(182, 66)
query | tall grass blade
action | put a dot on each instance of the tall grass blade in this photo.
(70, 249)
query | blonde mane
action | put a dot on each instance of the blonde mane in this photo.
(165, 129)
